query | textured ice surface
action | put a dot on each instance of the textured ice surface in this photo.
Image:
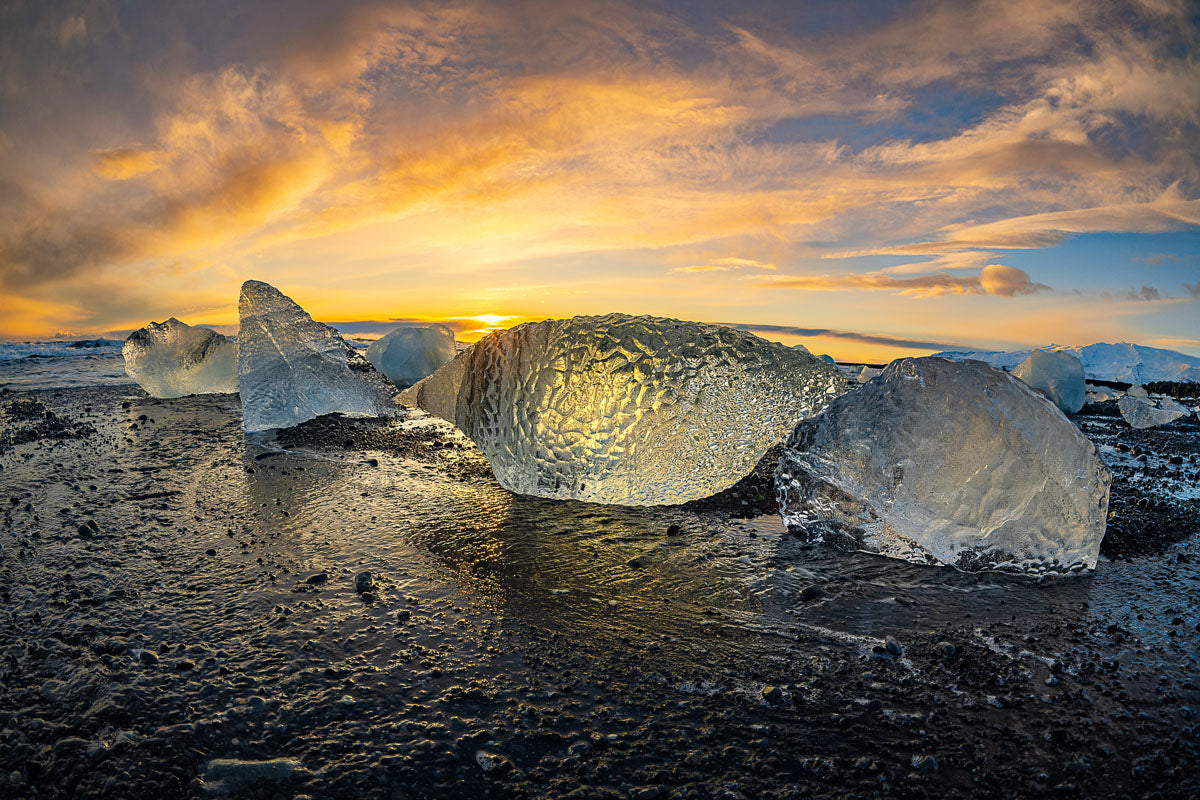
(1057, 375)
(621, 409)
(173, 359)
(947, 462)
(406, 355)
(1142, 412)
(292, 369)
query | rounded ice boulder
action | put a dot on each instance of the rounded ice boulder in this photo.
(173, 359)
(406, 355)
(946, 462)
(626, 410)
(1057, 375)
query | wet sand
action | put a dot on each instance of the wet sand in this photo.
(181, 605)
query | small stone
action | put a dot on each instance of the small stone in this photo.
(772, 694)
(674, 530)
(809, 593)
(316, 579)
(925, 763)
(893, 647)
(364, 582)
(148, 657)
(947, 649)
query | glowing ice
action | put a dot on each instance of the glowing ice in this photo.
(947, 462)
(173, 359)
(621, 409)
(292, 369)
(406, 355)
(1057, 375)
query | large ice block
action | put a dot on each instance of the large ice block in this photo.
(406, 355)
(947, 462)
(173, 359)
(621, 409)
(292, 369)
(1057, 375)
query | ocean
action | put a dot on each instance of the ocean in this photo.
(58, 364)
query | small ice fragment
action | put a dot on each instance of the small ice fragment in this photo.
(867, 373)
(1142, 412)
(173, 359)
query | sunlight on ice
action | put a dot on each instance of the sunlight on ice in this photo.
(627, 410)
(173, 359)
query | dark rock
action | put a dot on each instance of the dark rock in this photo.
(364, 582)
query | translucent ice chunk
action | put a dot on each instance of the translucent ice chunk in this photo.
(406, 355)
(947, 462)
(621, 409)
(292, 369)
(1141, 412)
(173, 359)
(1057, 375)
(867, 373)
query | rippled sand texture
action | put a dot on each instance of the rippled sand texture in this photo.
(628, 410)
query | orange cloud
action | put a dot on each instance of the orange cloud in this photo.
(123, 163)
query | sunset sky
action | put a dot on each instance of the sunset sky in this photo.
(870, 179)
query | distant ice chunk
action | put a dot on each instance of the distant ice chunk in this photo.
(867, 373)
(947, 462)
(1141, 412)
(406, 355)
(173, 359)
(1137, 391)
(1056, 374)
(628, 410)
(828, 359)
(292, 369)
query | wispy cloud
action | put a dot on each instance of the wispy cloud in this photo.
(995, 279)
(727, 264)
(850, 336)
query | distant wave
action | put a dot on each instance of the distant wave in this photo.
(10, 351)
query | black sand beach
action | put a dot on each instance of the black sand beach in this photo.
(356, 609)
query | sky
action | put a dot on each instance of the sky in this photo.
(872, 179)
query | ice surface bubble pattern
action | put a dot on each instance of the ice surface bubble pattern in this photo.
(623, 409)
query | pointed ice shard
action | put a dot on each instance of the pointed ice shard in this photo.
(947, 462)
(621, 409)
(173, 359)
(292, 369)
(406, 355)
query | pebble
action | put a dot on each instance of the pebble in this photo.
(364, 582)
